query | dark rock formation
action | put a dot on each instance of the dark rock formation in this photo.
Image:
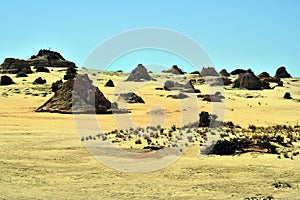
(6, 80)
(48, 58)
(237, 71)
(224, 73)
(70, 73)
(109, 83)
(217, 97)
(131, 98)
(44, 58)
(179, 96)
(77, 96)
(287, 95)
(42, 69)
(209, 71)
(39, 80)
(174, 70)
(249, 81)
(264, 75)
(282, 73)
(195, 72)
(56, 85)
(140, 73)
(21, 74)
(206, 119)
(14, 66)
(221, 81)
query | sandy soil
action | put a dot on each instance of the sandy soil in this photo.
(42, 156)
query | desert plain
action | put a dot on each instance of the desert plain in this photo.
(43, 154)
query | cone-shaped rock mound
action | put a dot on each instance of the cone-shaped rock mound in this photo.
(282, 73)
(77, 96)
(140, 73)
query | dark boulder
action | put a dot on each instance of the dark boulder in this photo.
(39, 80)
(264, 75)
(237, 71)
(131, 97)
(56, 85)
(282, 73)
(109, 83)
(224, 73)
(6, 80)
(70, 73)
(42, 69)
(287, 95)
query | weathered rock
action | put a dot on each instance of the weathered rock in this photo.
(264, 75)
(206, 119)
(179, 96)
(248, 80)
(70, 73)
(39, 80)
(211, 98)
(56, 85)
(221, 81)
(174, 70)
(42, 69)
(224, 73)
(209, 71)
(77, 96)
(282, 73)
(14, 66)
(237, 71)
(6, 80)
(131, 98)
(140, 73)
(109, 83)
(48, 58)
(195, 72)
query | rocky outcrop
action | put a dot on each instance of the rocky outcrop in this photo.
(237, 71)
(174, 70)
(209, 71)
(77, 96)
(14, 66)
(39, 80)
(6, 80)
(56, 85)
(264, 75)
(224, 73)
(131, 98)
(140, 73)
(109, 83)
(282, 73)
(44, 58)
(248, 80)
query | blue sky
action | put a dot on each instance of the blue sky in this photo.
(257, 34)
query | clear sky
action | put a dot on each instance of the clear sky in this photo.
(257, 34)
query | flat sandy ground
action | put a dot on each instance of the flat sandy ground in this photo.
(42, 156)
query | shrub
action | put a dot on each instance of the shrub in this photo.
(21, 74)
(42, 69)
(138, 141)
